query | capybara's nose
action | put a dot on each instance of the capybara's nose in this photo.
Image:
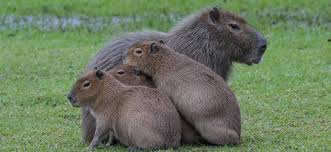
(71, 99)
(262, 45)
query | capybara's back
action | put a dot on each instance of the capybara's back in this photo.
(149, 120)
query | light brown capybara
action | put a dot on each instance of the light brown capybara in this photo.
(201, 96)
(139, 117)
(126, 74)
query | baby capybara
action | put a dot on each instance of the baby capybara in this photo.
(129, 75)
(137, 116)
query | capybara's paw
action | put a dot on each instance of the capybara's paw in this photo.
(135, 149)
(88, 149)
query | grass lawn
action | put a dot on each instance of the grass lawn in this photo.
(285, 101)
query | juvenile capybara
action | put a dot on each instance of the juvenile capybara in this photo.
(130, 75)
(126, 74)
(201, 96)
(213, 37)
(137, 116)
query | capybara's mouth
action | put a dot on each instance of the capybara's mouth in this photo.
(255, 61)
(258, 61)
(74, 104)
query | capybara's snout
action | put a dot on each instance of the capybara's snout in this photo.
(72, 99)
(262, 46)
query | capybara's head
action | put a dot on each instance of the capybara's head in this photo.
(85, 90)
(230, 34)
(247, 45)
(131, 75)
(146, 53)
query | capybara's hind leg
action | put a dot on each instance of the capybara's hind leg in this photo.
(218, 135)
(189, 135)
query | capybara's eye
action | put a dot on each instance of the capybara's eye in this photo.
(138, 51)
(234, 26)
(120, 72)
(86, 83)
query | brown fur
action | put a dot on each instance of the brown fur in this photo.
(137, 116)
(213, 37)
(201, 96)
(130, 75)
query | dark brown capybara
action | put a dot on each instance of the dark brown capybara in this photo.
(213, 37)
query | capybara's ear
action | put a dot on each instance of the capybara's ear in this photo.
(161, 41)
(99, 74)
(136, 71)
(153, 48)
(214, 14)
(95, 68)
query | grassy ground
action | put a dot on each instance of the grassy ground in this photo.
(285, 101)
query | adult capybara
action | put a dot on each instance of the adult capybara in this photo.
(137, 116)
(201, 96)
(213, 37)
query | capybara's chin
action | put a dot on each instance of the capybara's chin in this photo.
(256, 60)
(75, 105)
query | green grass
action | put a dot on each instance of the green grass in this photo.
(285, 101)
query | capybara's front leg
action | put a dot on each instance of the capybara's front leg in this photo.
(88, 125)
(111, 139)
(100, 133)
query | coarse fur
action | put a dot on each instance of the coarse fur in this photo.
(213, 37)
(201, 96)
(137, 116)
(132, 76)
(128, 75)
